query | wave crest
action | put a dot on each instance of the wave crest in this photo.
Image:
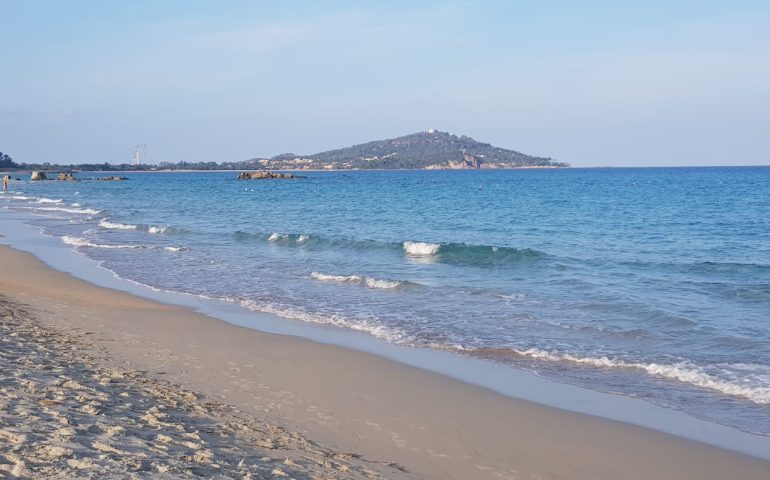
(684, 372)
(156, 230)
(451, 253)
(421, 248)
(49, 200)
(469, 254)
(370, 282)
(82, 242)
(380, 331)
(80, 211)
(104, 223)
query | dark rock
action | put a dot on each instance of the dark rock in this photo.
(260, 175)
(112, 179)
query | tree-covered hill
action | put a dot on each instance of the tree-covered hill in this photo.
(431, 149)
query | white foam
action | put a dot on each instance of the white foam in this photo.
(49, 200)
(381, 284)
(683, 371)
(75, 205)
(514, 297)
(81, 211)
(361, 325)
(82, 242)
(335, 278)
(176, 249)
(158, 230)
(21, 197)
(370, 282)
(421, 248)
(276, 237)
(302, 239)
(104, 223)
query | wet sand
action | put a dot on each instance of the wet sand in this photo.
(100, 383)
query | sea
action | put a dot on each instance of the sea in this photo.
(647, 282)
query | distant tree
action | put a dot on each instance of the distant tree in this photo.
(6, 161)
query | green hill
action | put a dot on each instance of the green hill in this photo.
(431, 149)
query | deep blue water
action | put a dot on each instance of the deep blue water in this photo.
(647, 282)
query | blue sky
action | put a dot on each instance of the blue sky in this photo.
(590, 83)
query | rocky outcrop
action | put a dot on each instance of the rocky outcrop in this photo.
(262, 175)
(66, 177)
(112, 179)
(38, 176)
(471, 161)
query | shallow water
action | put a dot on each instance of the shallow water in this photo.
(648, 282)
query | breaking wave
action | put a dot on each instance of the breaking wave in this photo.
(421, 248)
(757, 391)
(104, 223)
(276, 237)
(370, 282)
(471, 255)
(80, 211)
(389, 334)
(48, 200)
(451, 253)
(82, 242)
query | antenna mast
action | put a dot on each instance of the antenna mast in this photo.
(140, 154)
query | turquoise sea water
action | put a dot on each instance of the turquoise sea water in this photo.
(647, 282)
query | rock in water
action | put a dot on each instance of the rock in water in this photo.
(38, 176)
(264, 174)
(254, 175)
(67, 177)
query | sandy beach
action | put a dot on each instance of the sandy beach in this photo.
(98, 383)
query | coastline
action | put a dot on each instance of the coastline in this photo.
(434, 426)
(321, 170)
(299, 170)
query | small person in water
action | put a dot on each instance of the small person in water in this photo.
(6, 181)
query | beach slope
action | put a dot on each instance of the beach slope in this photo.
(98, 382)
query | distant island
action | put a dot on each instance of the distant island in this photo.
(427, 150)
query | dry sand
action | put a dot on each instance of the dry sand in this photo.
(97, 383)
(66, 412)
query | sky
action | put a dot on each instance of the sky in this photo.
(592, 83)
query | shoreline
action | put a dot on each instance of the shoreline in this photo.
(356, 401)
(572, 167)
(500, 378)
